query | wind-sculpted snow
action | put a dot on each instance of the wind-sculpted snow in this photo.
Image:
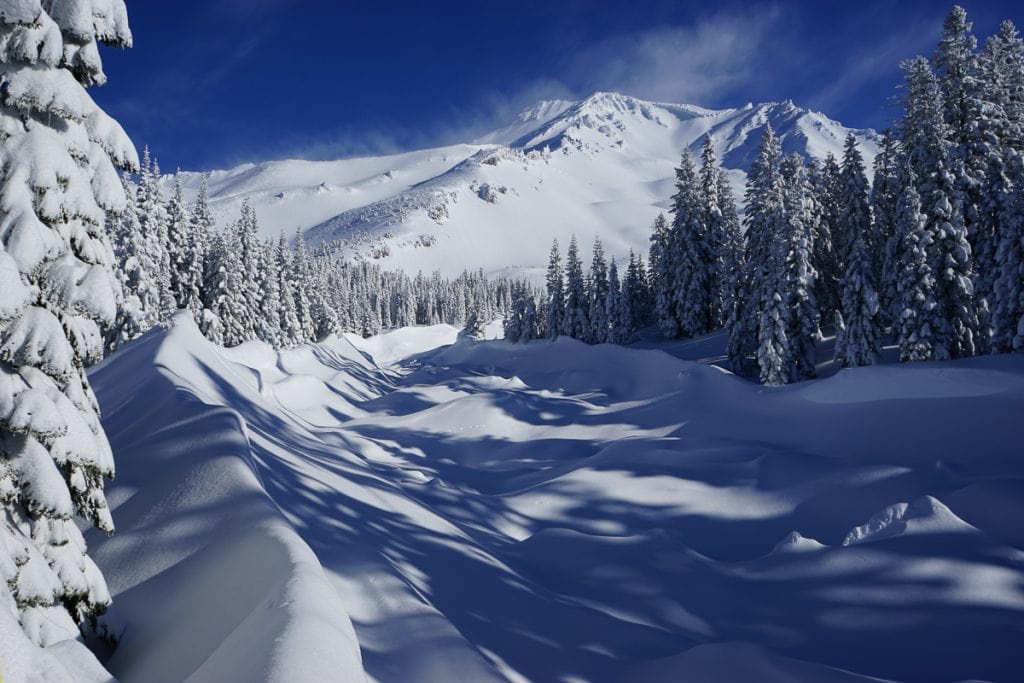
(425, 507)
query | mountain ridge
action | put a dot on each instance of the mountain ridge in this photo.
(597, 167)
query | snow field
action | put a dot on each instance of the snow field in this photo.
(421, 506)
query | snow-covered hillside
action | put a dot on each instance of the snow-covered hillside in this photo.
(602, 166)
(422, 507)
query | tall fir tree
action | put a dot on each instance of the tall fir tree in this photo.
(754, 330)
(859, 341)
(661, 277)
(854, 218)
(689, 253)
(954, 321)
(186, 261)
(916, 282)
(555, 292)
(885, 195)
(576, 321)
(798, 276)
(152, 216)
(58, 291)
(598, 296)
(827, 261)
(1008, 309)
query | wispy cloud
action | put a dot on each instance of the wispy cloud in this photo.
(703, 62)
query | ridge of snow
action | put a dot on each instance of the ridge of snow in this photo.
(598, 167)
(922, 516)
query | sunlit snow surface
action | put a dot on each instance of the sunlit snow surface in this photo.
(497, 202)
(424, 507)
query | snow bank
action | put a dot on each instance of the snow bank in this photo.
(210, 581)
(423, 506)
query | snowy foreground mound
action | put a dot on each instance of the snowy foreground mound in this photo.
(475, 511)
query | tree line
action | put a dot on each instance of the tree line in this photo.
(170, 256)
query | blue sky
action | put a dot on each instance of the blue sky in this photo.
(213, 83)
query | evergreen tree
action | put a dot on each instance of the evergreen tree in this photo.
(598, 296)
(916, 283)
(661, 277)
(617, 309)
(885, 194)
(152, 217)
(729, 243)
(798, 275)
(577, 322)
(228, 293)
(690, 260)
(247, 295)
(268, 325)
(1008, 309)
(186, 264)
(556, 293)
(954, 320)
(753, 329)
(203, 228)
(300, 285)
(636, 291)
(858, 342)
(58, 290)
(1001, 72)
(133, 317)
(854, 218)
(827, 263)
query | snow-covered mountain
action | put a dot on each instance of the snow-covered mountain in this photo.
(602, 166)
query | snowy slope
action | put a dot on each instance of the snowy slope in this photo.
(602, 166)
(424, 507)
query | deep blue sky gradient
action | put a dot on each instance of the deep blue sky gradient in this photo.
(213, 83)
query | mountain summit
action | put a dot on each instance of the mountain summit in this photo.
(599, 167)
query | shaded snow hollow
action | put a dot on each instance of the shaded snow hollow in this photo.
(473, 511)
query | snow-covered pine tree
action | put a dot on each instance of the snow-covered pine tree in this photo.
(661, 278)
(728, 247)
(854, 218)
(915, 287)
(531, 323)
(1001, 71)
(301, 286)
(58, 153)
(268, 319)
(690, 259)
(576, 321)
(203, 228)
(556, 293)
(186, 273)
(152, 216)
(635, 289)
(828, 193)
(248, 296)
(513, 322)
(885, 194)
(972, 129)
(954, 321)
(598, 296)
(1008, 308)
(759, 285)
(325, 320)
(620, 330)
(228, 325)
(803, 326)
(859, 342)
(291, 332)
(130, 262)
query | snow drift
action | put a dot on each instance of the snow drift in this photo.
(422, 506)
